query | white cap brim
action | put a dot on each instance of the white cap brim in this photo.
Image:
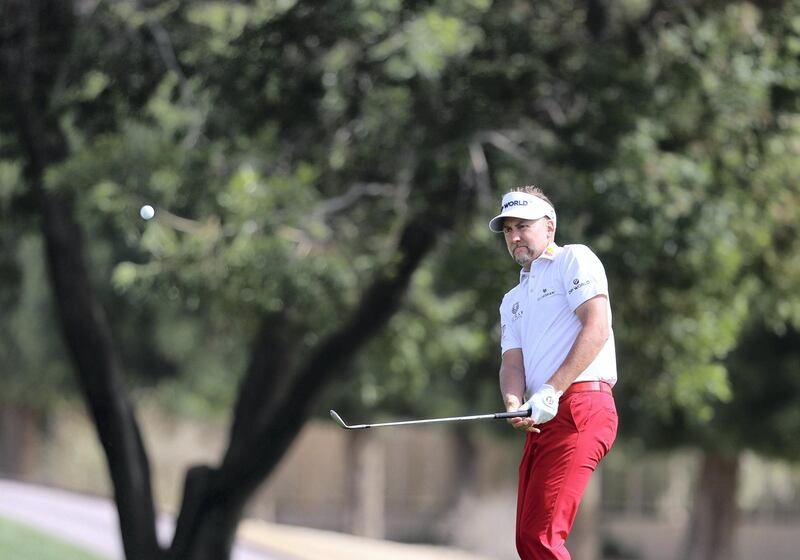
(521, 205)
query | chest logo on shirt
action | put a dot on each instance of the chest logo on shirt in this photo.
(546, 292)
(577, 285)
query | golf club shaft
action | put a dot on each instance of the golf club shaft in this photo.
(494, 415)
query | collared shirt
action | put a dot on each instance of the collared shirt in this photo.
(538, 315)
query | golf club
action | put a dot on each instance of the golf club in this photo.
(514, 414)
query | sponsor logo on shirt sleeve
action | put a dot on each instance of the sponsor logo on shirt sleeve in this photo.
(577, 284)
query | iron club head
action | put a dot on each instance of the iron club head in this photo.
(339, 420)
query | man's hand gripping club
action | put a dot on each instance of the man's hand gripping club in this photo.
(543, 405)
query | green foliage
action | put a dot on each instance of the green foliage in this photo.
(34, 373)
(691, 220)
(283, 146)
(694, 213)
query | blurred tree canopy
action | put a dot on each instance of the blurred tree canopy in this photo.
(310, 161)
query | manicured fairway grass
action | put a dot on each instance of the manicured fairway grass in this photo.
(19, 542)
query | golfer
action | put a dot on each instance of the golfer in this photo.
(558, 361)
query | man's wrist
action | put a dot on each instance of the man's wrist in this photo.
(557, 391)
(557, 385)
(513, 402)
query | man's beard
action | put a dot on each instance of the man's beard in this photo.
(523, 258)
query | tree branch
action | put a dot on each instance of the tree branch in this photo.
(280, 420)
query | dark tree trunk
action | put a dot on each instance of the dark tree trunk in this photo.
(714, 517)
(88, 338)
(209, 515)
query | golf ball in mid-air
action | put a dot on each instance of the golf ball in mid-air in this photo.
(147, 212)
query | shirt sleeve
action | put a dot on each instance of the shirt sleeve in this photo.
(509, 337)
(583, 275)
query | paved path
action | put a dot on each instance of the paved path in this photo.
(91, 523)
(87, 521)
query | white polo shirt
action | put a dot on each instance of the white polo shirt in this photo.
(538, 315)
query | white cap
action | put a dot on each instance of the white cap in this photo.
(521, 205)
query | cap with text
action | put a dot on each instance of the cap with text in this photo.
(521, 205)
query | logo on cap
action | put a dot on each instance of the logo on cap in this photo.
(513, 203)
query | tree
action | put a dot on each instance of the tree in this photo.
(701, 200)
(286, 371)
(304, 163)
(249, 115)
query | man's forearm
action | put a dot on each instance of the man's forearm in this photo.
(585, 349)
(512, 385)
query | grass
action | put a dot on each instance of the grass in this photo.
(21, 542)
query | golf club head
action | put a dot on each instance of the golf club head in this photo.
(339, 420)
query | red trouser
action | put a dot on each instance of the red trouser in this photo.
(555, 469)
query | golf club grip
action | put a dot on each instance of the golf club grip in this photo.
(513, 414)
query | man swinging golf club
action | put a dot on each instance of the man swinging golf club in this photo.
(558, 351)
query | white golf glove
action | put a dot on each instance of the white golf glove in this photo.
(543, 404)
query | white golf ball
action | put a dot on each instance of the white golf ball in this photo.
(147, 212)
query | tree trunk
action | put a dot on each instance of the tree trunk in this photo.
(712, 525)
(366, 484)
(209, 515)
(465, 469)
(584, 540)
(100, 374)
(19, 441)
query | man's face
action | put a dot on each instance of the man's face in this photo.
(527, 239)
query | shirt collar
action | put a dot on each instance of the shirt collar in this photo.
(551, 252)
